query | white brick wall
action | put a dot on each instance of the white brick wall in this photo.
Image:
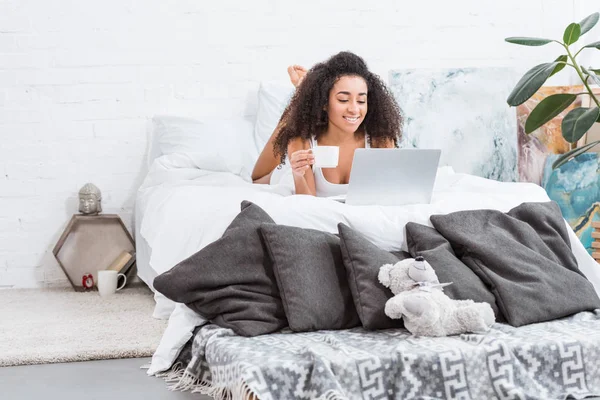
(79, 79)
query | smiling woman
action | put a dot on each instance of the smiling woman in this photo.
(337, 103)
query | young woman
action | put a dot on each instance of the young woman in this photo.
(337, 103)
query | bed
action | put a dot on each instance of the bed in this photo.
(194, 190)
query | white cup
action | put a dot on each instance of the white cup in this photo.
(326, 156)
(107, 282)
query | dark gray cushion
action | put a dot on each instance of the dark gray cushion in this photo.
(311, 278)
(231, 281)
(362, 260)
(524, 257)
(427, 242)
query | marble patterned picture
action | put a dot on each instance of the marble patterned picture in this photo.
(535, 147)
(576, 185)
(464, 113)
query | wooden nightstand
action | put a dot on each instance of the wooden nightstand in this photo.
(91, 243)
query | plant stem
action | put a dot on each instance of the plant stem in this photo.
(581, 75)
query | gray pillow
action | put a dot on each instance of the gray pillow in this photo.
(311, 278)
(427, 242)
(230, 281)
(362, 260)
(524, 257)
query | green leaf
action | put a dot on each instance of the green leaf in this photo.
(530, 83)
(596, 71)
(563, 159)
(528, 41)
(578, 121)
(548, 108)
(594, 77)
(595, 44)
(572, 33)
(589, 22)
(584, 70)
(562, 60)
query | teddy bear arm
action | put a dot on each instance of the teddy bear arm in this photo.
(393, 307)
(416, 305)
(422, 307)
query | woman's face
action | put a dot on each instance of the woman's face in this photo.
(347, 106)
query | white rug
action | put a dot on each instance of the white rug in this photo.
(40, 326)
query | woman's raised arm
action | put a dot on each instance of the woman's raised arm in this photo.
(301, 161)
(267, 162)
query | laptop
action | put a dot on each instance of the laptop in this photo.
(391, 177)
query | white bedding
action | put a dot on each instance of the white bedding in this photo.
(185, 209)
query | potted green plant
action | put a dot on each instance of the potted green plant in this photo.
(580, 119)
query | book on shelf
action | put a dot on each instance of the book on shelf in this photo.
(123, 263)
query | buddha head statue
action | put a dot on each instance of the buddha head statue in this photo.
(90, 199)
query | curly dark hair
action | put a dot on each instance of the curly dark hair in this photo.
(305, 116)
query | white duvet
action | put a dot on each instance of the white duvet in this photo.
(186, 208)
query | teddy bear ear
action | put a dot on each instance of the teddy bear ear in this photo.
(384, 274)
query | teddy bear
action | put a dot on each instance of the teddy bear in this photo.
(420, 301)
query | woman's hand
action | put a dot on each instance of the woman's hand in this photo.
(297, 74)
(301, 161)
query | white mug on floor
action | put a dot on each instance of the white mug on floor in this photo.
(326, 156)
(107, 282)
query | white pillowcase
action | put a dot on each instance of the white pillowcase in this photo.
(164, 307)
(180, 329)
(273, 97)
(217, 144)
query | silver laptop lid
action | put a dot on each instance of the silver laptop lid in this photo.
(392, 177)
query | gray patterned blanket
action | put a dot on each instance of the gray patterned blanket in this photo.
(552, 360)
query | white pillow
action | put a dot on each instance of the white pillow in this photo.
(180, 329)
(217, 144)
(273, 97)
(164, 307)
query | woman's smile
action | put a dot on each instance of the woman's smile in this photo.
(352, 120)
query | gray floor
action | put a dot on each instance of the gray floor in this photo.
(90, 380)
